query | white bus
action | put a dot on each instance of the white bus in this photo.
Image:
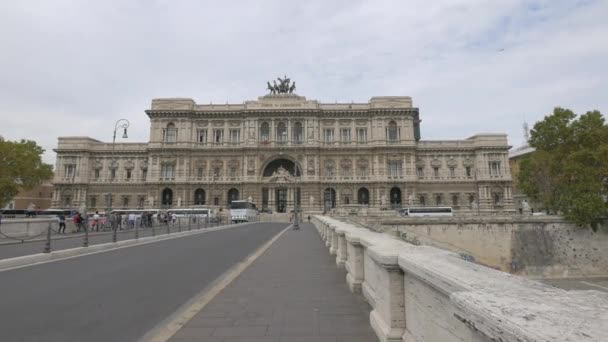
(243, 211)
(199, 213)
(427, 211)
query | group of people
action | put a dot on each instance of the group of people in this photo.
(97, 222)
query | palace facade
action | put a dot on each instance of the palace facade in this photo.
(284, 149)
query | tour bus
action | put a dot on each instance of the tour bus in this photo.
(426, 211)
(243, 211)
(199, 213)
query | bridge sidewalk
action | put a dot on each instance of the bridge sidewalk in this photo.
(293, 292)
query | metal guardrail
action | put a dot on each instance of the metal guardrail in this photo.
(128, 231)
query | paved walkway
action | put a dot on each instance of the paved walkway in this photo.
(292, 293)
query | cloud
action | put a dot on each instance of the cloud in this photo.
(75, 67)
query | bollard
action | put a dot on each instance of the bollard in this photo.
(47, 245)
(153, 229)
(179, 224)
(114, 233)
(136, 230)
(85, 243)
(189, 223)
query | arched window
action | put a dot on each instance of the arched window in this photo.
(199, 197)
(363, 196)
(281, 132)
(265, 132)
(167, 197)
(392, 132)
(438, 200)
(329, 198)
(395, 197)
(471, 199)
(455, 200)
(233, 195)
(422, 201)
(298, 133)
(170, 133)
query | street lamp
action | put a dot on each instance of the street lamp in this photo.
(297, 197)
(120, 124)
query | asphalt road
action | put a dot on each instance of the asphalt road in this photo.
(71, 240)
(598, 284)
(121, 294)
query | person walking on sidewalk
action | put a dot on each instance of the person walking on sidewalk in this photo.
(308, 218)
(61, 223)
(96, 221)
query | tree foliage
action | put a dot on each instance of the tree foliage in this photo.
(569, 170)
(21, 167)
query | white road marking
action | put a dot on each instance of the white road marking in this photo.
(166, 329)
(596, 285)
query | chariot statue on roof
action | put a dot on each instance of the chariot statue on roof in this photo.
(283, 87)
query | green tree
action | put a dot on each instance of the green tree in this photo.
(21, 167)
(569, 170)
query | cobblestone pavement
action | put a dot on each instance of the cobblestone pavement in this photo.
(293, 292)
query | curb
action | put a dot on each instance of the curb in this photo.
(42, 258)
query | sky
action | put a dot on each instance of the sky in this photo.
(72, 68)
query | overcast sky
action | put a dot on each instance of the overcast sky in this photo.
(74, 67)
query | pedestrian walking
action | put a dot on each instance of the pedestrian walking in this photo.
(308, 218)
(131, 220)
(173, 218)
(96, 221)
(61, 223)
(77, 222)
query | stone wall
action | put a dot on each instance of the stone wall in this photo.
(422, 293)
(531, 246)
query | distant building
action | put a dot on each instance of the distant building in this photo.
(281, 149)
(40, 196)
(515, 157)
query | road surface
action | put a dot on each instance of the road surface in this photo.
(121, 294)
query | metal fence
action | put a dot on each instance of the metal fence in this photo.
(104, 231)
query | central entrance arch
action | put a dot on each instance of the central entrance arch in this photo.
(284, 163)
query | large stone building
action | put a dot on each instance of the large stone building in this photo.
(280, 149)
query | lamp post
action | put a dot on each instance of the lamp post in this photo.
(297, 197)
(124, 124)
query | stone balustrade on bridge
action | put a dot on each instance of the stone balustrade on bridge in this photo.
(422, 293)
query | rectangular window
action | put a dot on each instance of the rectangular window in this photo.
(468, 171)
(329, 135)
(144, 174)
(96, 174)
(362, 135)
(70, 170)
(394, 168)
(363, 171)
(436, 172)
(216, 172)
(218, 136)
(345, 135)
(233, 172)
(201, 136)
(128, 174)
(235, 136)
(494, 168)
(125, 202)
(93, 202)
(113, 174)
(330, 171)
(199, 172)
(170, 135)
(452, 172)
(167, 171)
(346, 171)
(420, 172)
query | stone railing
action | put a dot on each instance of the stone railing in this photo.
(421, 293)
